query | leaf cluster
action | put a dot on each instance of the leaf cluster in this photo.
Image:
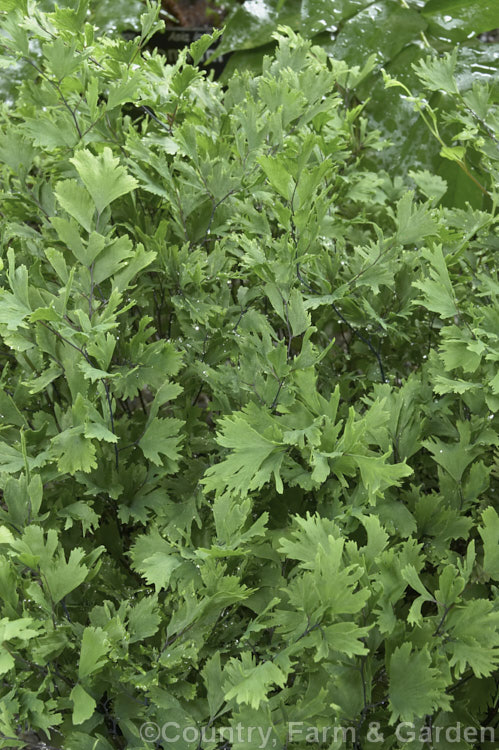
(248, 400)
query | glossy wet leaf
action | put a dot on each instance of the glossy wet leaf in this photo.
(321, 15)
(383, 29)
(253, 23)
(457, 20)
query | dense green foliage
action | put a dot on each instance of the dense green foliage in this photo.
(394, 34)
(358, 28)
(248, 401)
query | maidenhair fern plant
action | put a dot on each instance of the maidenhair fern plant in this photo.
(248, 447)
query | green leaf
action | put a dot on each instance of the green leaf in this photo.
(44, 313)
(76, 201)
(299, 319)
(98, 431)
(12, 459)
(250, 683)
(453, 153)
(457, 353)
(15, 150)
(377, 538)
(82, 512)
(457, 19)
(450, 585)
(161, 438)
(103, 176)
(52, 132)
(23, 499)
(69, 233)
(438, 291)
(166, 392)
(74, 452)
(83, 704)
(251, 25)
(114, 258)
(423, 693)
(154, 558)
(278, 176)
(6, 662)
(432, 186)
(93, 373)
(213, 680)
(382, 29)
(454, 457)
(473, 640)
(377, 475)
(61, 58)
(144, 619)
(437, 73)
(63, 577)
(158, 568)
(312, 535)
(15, 307)
(94, 646)
(253, 460)
(410, 575)
(124, 91)
(198, 48)
(21, 628)
(347, 638)
(414, 223)
(490, 536)
(122, 15)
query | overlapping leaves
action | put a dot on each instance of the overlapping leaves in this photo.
(248, 444)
